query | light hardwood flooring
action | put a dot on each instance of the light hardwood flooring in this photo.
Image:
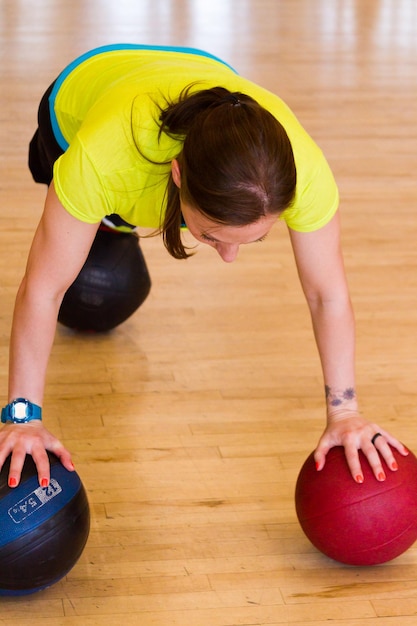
(189, 423)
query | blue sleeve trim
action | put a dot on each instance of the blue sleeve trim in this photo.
(110, 48)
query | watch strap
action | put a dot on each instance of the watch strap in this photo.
(33, 412)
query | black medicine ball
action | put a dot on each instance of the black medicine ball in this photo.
(112, 284)
(43, 530)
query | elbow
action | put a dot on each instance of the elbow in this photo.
(333, 302)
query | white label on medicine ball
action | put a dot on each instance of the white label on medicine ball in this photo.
(34, 501)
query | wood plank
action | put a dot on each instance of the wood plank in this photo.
(189, 423)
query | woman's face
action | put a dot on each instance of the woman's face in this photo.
(225, 239)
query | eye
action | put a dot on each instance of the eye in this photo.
(207, 238)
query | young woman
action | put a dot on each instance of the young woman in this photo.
(167, 137)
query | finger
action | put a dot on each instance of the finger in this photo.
(354, 464)
(63, 455)
(8, 441)
(16, 464)
(65, 458)
(394, 443)
(385, 445)
(320, 454)
(385, 451)
(374, 459)
(5, 451)
(41, 461)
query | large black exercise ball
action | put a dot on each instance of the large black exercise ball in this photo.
(112, 284)
(43, 530)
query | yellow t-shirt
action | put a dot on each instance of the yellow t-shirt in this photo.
(104, 107)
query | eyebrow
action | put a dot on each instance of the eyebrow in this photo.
(211, 238)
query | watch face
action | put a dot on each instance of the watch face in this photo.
(20, 410)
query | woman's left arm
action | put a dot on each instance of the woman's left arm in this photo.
(321, 270)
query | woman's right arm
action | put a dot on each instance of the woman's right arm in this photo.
(59, 249)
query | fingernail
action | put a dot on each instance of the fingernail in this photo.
(317, 466)
(12, 482)
(381, 476)
(394, 466)
(72, 465)
(44, 482)
(406, 451)
(359, 478)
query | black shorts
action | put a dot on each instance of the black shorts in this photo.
(44, 148)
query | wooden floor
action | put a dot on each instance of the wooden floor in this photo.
(190, 422)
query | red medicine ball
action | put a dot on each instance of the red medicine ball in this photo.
(358, 524)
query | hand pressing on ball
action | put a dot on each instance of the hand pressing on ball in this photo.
(31, 438)
(349, 429)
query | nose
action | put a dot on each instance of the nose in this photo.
(228, 252)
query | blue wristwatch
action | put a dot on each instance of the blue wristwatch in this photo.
(21, 411)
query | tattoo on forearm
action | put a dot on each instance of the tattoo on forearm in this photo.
(337, 397)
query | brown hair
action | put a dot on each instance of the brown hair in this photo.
(237, 163)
